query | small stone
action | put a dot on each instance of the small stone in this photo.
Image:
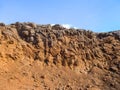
(31, 39)
(57, 27)
(26, 33)
(26, 27)
(33, 25)
(43, 77)
(32, 32)
(113, 69)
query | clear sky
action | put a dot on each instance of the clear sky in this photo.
(95, 15)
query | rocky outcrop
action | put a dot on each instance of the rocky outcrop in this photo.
(95, 56)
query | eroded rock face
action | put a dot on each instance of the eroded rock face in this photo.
(92, 56)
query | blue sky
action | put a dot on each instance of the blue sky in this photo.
(95, 15)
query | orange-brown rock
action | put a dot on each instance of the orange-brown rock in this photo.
(45, 57)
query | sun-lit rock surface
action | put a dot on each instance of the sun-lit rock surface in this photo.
(45, 57)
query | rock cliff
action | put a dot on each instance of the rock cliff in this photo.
(45, 57)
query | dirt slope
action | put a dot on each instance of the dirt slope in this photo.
(45, 57)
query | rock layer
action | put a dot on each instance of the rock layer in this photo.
(45, 57)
